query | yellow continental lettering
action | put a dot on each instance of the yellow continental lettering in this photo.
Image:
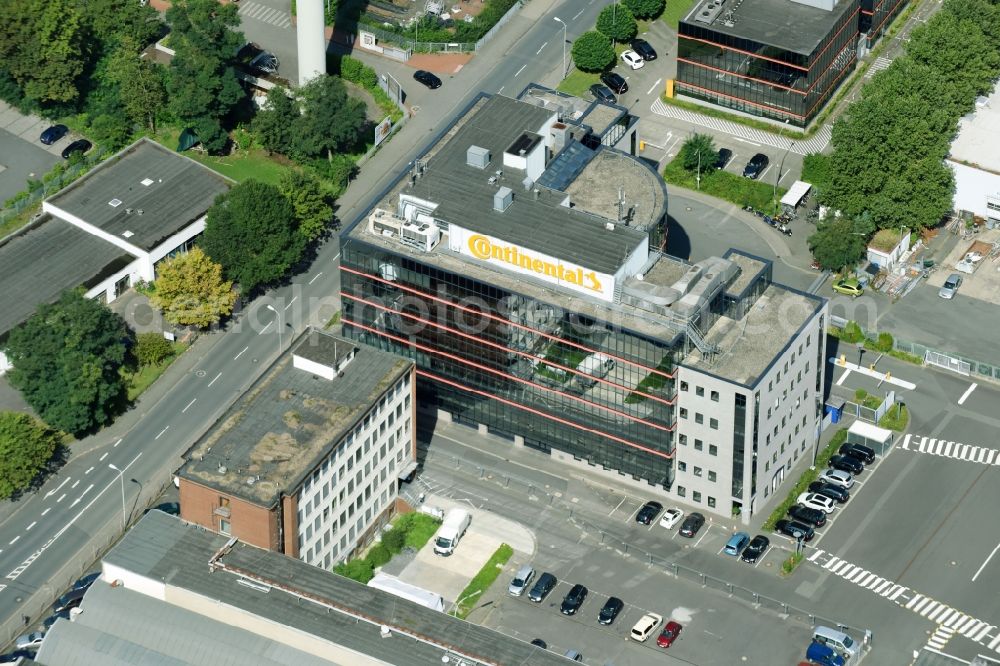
(479, 246)
(483, 248)
(539, 266)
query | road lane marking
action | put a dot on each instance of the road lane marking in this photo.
(103, 456)
(117, 443)
(653, 87)
(14, 540)
(265, 328)
(193, 400)
(163, 431)
(89, 470)
(338, 254)
(28, 528)
(46, 510)
(843, 377)
(987, 561)
(55, 490)
(541, 47)
(241, 352)
(315, 277)
(577, 15)
(213, 381)
(967, 392)
(82, 495)
(290, 302)
(61, 498)
(75, 484)
(520, 70)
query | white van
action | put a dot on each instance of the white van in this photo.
(451, 532)
(837, 640)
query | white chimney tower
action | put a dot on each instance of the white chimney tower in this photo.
(311, 39)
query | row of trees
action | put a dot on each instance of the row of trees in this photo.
(594, 51)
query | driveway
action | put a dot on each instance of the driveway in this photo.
(22, 155)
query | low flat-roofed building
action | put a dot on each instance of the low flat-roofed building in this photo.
(307, 462)
(975, 159)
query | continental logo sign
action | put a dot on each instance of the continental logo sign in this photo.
(488, 249)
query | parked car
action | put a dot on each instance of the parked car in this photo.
(756, 166)
(723, 158)
(615, 81)
(823, 655)
(847, 464)
(865, 454)
(837, 493)
(30, 641)
(838, 477)
(669, 634)
(50, 620)
(603, 94)
(542, 587)
(757, 547)
(521, 580)
(692, 524)
(671, 517)
(86, 581)
(538, 642)
(573, 655)
(78, 146)
(610, 610)
(71, 599)
(648, 513)
(950, 286)
(795, 529)
(817, 501)
(643, 48)
(848, 287)
(16, 655)
(736, 543)
(646, 625)
(265, 62)
(573, 600)
(427, 79)
(813, 517)
(633, 59)
(53, 133)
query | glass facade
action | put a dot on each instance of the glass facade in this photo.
(876, 14)
(739, 443)
(522, 367)
(761, 79)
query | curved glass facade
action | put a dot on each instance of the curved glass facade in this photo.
(520, 366)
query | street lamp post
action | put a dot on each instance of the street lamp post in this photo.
(564, 47)
(781, 165)
(121, 477)
(278, 323)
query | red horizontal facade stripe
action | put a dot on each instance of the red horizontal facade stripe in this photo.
(740, 99)
(851, 21)
(742, 76)
(748, 53)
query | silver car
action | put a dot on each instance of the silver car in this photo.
(950, 286)
(521, 580)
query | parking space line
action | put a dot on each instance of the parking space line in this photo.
(968, 391)
(698, 542)
(762, 556)
(624, 497)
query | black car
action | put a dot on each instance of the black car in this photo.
(758, 545)
(610, 610)
(427, 79)
(573, 600)
(53, 134)
(755, 166)
(78, 146)
(692, 524)
(603, 94)
(71, 599)
(648, 513)
(809, 516)
(836, 493)
(847, 464)
(642, 47)
(86, 581)
(12, 657)
(542, 587)
(540, 643)
(860, 451)
(615, 81)
(723, 159)
(49, 621)
(795, 529)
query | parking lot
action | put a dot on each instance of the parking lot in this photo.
(22, 155)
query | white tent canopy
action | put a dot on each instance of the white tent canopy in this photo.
(795, 193)
(393, 585)
(869, 435)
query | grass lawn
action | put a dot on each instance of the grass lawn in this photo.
(896, 418)
(729, 186)
(241, 167)
(419, 528)
(578, 83)
(477, 586)
(675, 11)
(144, 377)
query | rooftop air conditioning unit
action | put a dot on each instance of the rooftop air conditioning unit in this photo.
(424, 237)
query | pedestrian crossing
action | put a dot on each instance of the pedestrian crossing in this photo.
(949, 621)
(940, 447)
(880, 63)
(813, 144)
(261, 12)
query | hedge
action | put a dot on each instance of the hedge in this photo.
(808, 476)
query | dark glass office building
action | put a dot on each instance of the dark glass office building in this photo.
(781, 59)
(876, 15)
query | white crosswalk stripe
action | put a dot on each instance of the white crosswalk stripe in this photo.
(265, 14)
(813, 144)
(940, 637)
(956, 450)
(981, 633)
(995, 643)
(880, 63)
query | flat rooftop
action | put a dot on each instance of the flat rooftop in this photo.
(610, 175)
(749, 345)
(41, 261)
(296, 598)
(977, 143)
(143, 195)
(267, 441)
(784, 24)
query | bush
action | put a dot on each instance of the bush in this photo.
(593, 51)
(338, 171)
(860, 395)
(379, 555)
(152, 348)
(418, 527)
(360, 570)
(896, 418)
(394, 540)
(884, 343)
(793, 560)
(852, 333)
(808, 476)
(645, 8)
(351, 68)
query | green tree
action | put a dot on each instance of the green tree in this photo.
(699, 151)
(394, 539)
(140, 83)
(26, 447)
(840, 242)
(309, 200)
(593, 51)
(816, 170)
(617, 22)
(67, 358)
(42, 47)
(111, 130)
(251, 231)
(152, 348)
(190, 290)
(971, 63)
(202, 84)
(645, 8)
(331, 120)
(112, 21)
(274, 124)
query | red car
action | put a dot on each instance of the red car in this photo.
(669, 634)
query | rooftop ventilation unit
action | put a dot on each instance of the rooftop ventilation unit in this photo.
(114, 203)
(147, 181)
(502, 199)
(709, 12)
(477, 157)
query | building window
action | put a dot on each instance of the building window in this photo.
(683, 439)
(224, 527)
(715, 396)
(699, 391)
(713, 450)
(684, 412)
(681, 491)
(684, 386)
(713, 424)
(698, 445)
(711, 502)
(698, 417)
(696, 496)
(711, 475)
(682, 466)
(697, 471)
(224, 502)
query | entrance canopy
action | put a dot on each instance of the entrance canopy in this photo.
(795, 193)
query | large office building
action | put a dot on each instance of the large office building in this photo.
(307, 462)
(519, 264)
(781, 59)
(975, 159)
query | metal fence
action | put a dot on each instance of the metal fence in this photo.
(51, 185)
(499, 24)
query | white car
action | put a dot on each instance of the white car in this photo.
(646, 625)
(671, 517)
(633, 59)
(838, 478)
(817, 501)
